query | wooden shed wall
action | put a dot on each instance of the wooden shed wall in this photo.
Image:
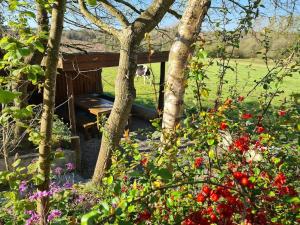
(83, 83)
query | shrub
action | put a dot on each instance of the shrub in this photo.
(218, 170)
(229, 166)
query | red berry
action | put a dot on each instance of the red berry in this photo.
(206, 189)
(214, 197)
(144, 162)
(213, 217)
(201, 198)
(246, 116)
(281, 112)
(238, 175)
(244, 181)
(223, 126)
(228, 101)
(198, 162)
(241, 98)
(143, 216)
(260, 129)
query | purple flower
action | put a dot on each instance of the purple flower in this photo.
(53, 214)
(34, 218)
(68, 185)
(23, 186)
(54, 188)
(39, 195)
(70, 166)
(58, 170)
(79, 199)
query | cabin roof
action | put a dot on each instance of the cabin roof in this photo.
(96, 60)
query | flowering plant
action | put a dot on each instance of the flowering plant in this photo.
(218, 167)
(224, 166)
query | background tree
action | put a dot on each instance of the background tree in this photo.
(130, 36)
(34, 58)
(56, 27)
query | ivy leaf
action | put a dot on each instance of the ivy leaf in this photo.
(8, 96)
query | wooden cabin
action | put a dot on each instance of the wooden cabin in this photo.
(79, 79)
(84, 71)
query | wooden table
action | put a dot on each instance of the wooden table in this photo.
(95, 105)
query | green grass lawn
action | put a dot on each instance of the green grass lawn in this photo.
(244, 78)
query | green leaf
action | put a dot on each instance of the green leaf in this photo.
(16, 163)
(210, 141)
(38, 179)
(10, 46)
(131, 208)
(92, 2)
(204, 93)
(105, 206)
(32, 168)
(39, 46)
(163, 173)
(117, 188)
(271, 194)
(294, 200)
(59, 154)
(8, 96)
(90, 218)
(24, 51)
(29, 14)
(110, 180)
(256, 171)
(170, 202)
(211, 154)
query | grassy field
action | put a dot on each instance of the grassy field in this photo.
(244, 78)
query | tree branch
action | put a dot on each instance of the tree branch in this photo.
(115, 12)
(98, 22)
(148, 19)
(239, 5)
(174, 13)
(139, 11)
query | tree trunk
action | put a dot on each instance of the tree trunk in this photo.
(130, 37)
(35, 58)
(49, 103)
(181, 49)
(125, 95)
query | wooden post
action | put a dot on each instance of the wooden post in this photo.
(75, 140)
(101, 83)
(71, 107)
(161, 87)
